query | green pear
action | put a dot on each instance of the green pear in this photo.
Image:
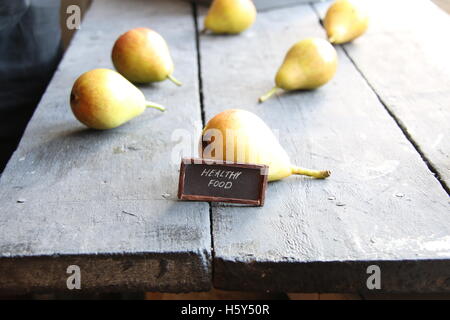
(345, 20)
(230, 16)
(103, 99)
(141, 55)
(309, 64)
(241, 136)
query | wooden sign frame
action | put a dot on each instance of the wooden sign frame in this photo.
(226, 164)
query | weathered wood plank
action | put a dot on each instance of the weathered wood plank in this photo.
(405, 58)
(380, 206)
(106, 201)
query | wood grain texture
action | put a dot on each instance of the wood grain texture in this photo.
(381, 204)
(107, 200)
(404, 57)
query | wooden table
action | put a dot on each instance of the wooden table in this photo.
(106, 201)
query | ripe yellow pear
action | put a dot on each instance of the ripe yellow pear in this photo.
(241, 136)
(141, 55)
(345, 20)
(230, 16)
(309, 64)
(103, 99)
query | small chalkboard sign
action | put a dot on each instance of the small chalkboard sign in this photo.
(220, 181)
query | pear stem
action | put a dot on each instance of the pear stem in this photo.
(268, 94)
(311, 173)
(150, 104)
(332, 39)
(174, 80)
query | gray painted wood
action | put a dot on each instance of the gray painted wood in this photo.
(106, 201)
(404, 57)
(380, 206)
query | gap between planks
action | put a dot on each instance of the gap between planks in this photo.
(202, 111)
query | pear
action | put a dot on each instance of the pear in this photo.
(103, 99)
(345, 20)
(141, 55)
(309, 64)
(241, 136)
(230, 16)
